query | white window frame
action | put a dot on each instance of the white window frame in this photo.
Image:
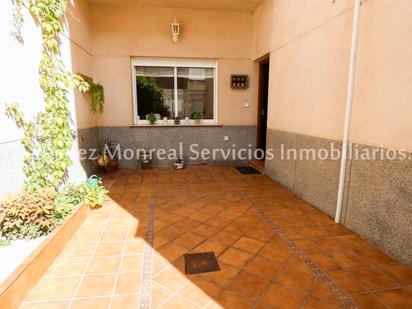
(175, 63)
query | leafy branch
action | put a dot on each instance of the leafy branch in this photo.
(47, 137)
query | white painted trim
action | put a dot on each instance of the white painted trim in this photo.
(175, 92)
(134, 90)
(164, 62)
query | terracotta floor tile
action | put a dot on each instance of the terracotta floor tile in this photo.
(398, 272)
(325, 262)
(159, 242)
(397, 298)
(200, 291)
(172, 252)
(170, 278)
(67, 266)
(159, 295)
(91, 303)
(225, 237)
(222, 277)
(178, 302)
(104, 264)
(249, 285)
(314, 303)
(274, 253)
(367, 300)
(159, 263)
(201, 216)
(86, 237)
(260, 233)
(135, 246)
(347, 259)
(373, 278)
(280, 297)
(53, 288)
(327, 244)
(109, 248)
(248, 244)
(322, 293)
(408, 289)
(210, 246)
(235, 257)
(262, 267)
(219, 221)
(308, 246)
(189, 240)
(235, 229)
(125, 302)
(98, 285)
(170, 232)
(374, 255)
(116, 235)
(46, 305)
(131, 263)
(293, 278)
(258, 269)
(128, 283)
(229, 299)
(347, 282)
(78, 250)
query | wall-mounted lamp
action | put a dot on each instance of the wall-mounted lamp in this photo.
(175, 30)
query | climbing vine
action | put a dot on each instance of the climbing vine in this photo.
(47, 137)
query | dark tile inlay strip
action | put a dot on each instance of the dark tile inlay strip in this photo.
(146, 285)
(346, 302)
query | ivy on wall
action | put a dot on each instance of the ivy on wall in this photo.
(47, 137)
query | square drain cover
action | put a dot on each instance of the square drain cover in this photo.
(248, 170)
(197, 263)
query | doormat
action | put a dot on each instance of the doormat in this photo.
(197, 263)
(248, 170)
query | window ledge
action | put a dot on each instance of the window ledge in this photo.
(174, 125)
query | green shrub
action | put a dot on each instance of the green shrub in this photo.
(33, 214)
(4, 243)
(27, 215)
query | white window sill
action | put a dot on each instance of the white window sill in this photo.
(168, 125)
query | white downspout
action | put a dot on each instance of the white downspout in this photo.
(348, 112)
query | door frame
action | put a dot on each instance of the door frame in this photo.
(263, 61)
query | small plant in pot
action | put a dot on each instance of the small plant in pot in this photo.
(145, 159)
(152, 118)
(106, 155)
(196, 117)
(179, 164)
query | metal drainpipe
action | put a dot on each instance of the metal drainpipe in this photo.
(348, 112)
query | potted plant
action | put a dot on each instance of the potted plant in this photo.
(196, 117)
(145, 160)
(97, 97)
(152, 118)
(179, 164)
(105, 154)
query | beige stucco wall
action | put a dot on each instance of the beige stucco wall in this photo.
(309, 49)
(120, 32)
(79, 35)
(382, 107)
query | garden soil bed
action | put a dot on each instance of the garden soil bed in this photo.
(41, 254)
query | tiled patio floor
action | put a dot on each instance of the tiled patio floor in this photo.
(274, 250)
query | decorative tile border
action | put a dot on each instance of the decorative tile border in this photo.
(146, 285)
(346, 302)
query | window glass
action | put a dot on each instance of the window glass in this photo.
(154, 91)
(195, 92)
